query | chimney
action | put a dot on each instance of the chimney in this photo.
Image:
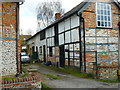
(57, 16)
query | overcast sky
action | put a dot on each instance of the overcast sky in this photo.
(28, 19)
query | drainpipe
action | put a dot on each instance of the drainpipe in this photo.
(17, 33)
(84, 44)
(119, 45)
(81, 20)
(80, 46)
(17, 28)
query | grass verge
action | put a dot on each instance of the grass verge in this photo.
(21, 76)
(69, 70)
(51, 76)
(45, 87)
(7, 78)
(108, 81)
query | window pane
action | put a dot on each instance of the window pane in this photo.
(104, 6)
(105, 12)
(108, 13)
(102, 23)
(103, 15)
(108, 18)
(102, 18)
(101, 11)
(98, 17)
(98, 5)
(105, 24)
(98, 11)
(109, 24)
(108, 7)
(98, 23)
(105, 18)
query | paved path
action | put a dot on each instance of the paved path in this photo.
(69, 81)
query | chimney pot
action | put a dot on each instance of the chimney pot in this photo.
(57, 16)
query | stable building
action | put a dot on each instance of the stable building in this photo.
(86, 37)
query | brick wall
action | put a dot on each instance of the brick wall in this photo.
(101, 40)
(8, 38)
(26, 82)
(107, 73)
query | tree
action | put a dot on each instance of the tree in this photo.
(46, 12)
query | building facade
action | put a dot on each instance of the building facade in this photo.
(86, 37)
(9, 41)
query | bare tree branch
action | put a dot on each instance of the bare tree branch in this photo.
(46, 12)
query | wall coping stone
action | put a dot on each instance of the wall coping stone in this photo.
(20, 81)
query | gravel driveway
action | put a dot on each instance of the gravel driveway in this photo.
(69, 81)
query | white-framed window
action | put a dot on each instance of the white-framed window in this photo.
(103, 15)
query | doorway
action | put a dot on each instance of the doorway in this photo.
(44, 53)
(62, 56)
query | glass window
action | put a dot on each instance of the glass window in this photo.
(103, 15)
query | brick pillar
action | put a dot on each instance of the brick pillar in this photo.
(19, 61)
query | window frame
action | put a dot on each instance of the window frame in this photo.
(40, 50)
(104, 21)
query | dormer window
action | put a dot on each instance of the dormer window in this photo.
(103, 15)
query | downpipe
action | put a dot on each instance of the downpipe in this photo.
(17, 33)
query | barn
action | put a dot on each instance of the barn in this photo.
(86, 37)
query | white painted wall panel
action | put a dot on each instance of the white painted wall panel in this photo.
(67, 37)
(61, 39)
(76, 46)
(66, 54)
(61, 27)
(75, 35)
(52, 31)
(52, 41)
(53, 51)
(43, 42)
(66, 47)
(71, 54)
(67, 24)
(48, 42)
(76, 54)
(47, 33)
(71, 47)
(77, 63)
(74, 21)
(37, 40)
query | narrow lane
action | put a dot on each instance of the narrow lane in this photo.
(69, 81)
